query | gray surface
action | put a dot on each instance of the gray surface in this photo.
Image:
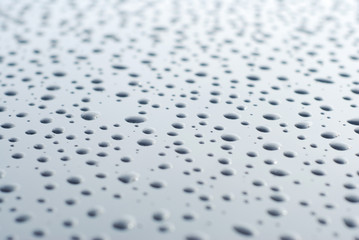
(237, 53)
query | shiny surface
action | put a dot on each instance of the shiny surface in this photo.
(179, 120)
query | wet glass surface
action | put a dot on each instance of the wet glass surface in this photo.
(179, 120)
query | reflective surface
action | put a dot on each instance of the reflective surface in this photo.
(179, 120)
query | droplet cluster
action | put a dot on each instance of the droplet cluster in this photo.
(177, 119)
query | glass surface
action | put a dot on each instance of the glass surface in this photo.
(179, 119)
